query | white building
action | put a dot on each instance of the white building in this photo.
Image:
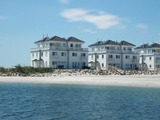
(149, 56)
(59, 52)
(103, 54)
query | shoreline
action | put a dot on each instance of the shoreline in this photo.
(105, 80)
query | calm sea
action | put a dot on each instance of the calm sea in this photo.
(78, 102)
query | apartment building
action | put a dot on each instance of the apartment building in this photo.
(103, 54)
(149, 56)
(57, 52)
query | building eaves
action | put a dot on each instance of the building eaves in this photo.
(108, 42)
(142, 46)
(154, 45)
(73, 39)
(126, 43)
(56, 38)
(42, 40)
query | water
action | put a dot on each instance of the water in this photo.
(77, 102)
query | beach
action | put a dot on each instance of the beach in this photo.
(106, 80)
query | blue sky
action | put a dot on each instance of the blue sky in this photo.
(22, 22)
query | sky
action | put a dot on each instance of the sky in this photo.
(22, 22)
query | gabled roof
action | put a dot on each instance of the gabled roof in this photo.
(73, 39)
(154, 45)
(56, 38)
(108, 42)
(126, 43)
(42, 40)
(142, 46)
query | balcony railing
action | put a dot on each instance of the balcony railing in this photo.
(111, 59)
(60, 48)
(111, 51)
(150, 53)
(83, 58)
(135, 60)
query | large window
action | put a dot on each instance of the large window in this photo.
(74, 54)
(54, 54)
(127, 57)
(63, 53)
(117, 56)
(150, 58)
(134, 57)
(71, 45)
(110, 56)
(102, 56)
(83, 54)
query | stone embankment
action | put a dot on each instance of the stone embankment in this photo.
(84, 72)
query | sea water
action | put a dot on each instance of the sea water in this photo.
(78, 102)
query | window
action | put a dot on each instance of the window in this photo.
(63, 54)
(102, 64)
(117, 56)
(129, 49)
(102, 56)
(54, 63)
(83, 54)
(134, 57)
(64, 44)
(37, 54)
(124, 48)
(157, 58)
(127, 57)
(32, 54)
(150, 66)
(150, 58)
(41, 53)
(74, 54)
(97, 56)
(74, 64)
(107, 48)
(46, 54)
(54, 53)
(110, 56)
(91, 56)
(71, 45)
(78, 45)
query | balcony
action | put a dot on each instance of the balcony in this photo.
(158, 61)
(111, 59)
(135, 61)
(111, 51)
(37, 49)
(150, 53)
(60, 48)
(83, 58)
(78, 49)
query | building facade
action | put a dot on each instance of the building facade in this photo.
(103, 54)
(149, 56)
(57, 52)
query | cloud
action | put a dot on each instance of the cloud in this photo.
(142, 26)
(88, 30)
(64, 1)
(100, 19)
(3, 17)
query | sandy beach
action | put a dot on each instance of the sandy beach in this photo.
(130, 80)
